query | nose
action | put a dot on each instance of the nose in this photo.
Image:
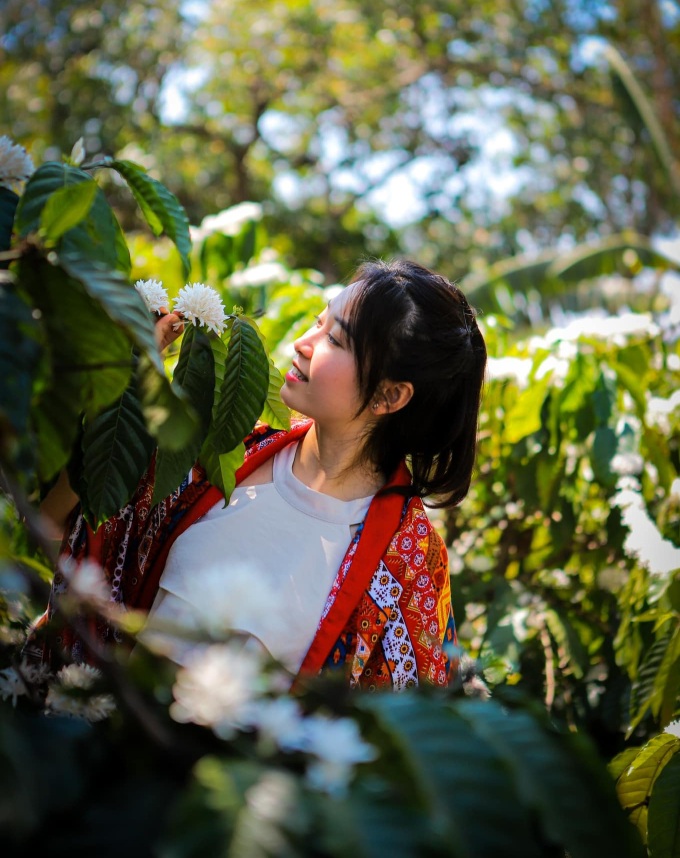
(304, 345)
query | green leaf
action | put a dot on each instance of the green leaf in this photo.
(244, 389)
(195, 377)
(170, 419)
(663, 822)
(524, 418)
(8, 207)
(160, 207)
(603, 450)
(117, 451)
(645, 693)
(66, 208)
(635, 785)
(558, 776)
(119, 299)
(275, 413)
(646, 113)
(457, 772)
(97, 237)
(89, 357)
(621, 762)
(19, 354)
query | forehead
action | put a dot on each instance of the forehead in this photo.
(341, 303)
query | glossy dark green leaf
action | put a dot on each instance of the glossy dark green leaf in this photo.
(65, 209)
(663, 821)
(195, 376)
(8, 207)
(89, 357)
(244, 388)
(116, 451)
(169, 417)
(275, 413)
(559, 777)
(160, 207)
(458, 770)
(19, 354)
(97, 237)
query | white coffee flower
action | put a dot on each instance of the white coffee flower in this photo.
(338, 747)
(12, 685)
(78, 152)
(154, 295)
(63, 697)
(200, 303)
(280, 722)
(15, 683)
(217, 687)
(16, 165)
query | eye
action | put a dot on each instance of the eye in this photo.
(332, 340)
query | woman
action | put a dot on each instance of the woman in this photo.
(328, 516)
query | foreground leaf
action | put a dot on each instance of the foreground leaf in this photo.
(275, 413)
(194, 376)
(664, 812)
(116, 450)
(66, 208)
(8, 207)
(19, 353)
(160, 207)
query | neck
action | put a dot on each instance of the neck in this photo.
(329, 463)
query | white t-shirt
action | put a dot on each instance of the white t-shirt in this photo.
(263, 564)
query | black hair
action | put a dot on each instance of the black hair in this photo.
(407, 323)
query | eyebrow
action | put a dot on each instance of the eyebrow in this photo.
(343, 324)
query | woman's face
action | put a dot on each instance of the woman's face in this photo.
(323, 382)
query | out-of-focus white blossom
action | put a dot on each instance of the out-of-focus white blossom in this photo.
(644, 541)
(515, 368)
(78, 152)
(675, 488)
(557, 367)
(338, 747)
(614, 328)
(85, 579)
(673, 728)
(279, 721)
(200, 303)
(15, 683)
(627, 463)
(228, 222)
(260, 275)
(16, 165)
(154, 295)
(659, 411)
(65, 694)
(217, 688)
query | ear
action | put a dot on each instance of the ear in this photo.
(392, 396)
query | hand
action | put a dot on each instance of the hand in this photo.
(169, 327)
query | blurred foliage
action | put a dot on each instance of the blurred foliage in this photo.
(496, 126)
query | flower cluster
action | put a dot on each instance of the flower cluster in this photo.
(16, 165)
(199, 303)
(66, 696)
(644, 541)
(16, 682)
(225, 687)
(196, 302)
(154, 295)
